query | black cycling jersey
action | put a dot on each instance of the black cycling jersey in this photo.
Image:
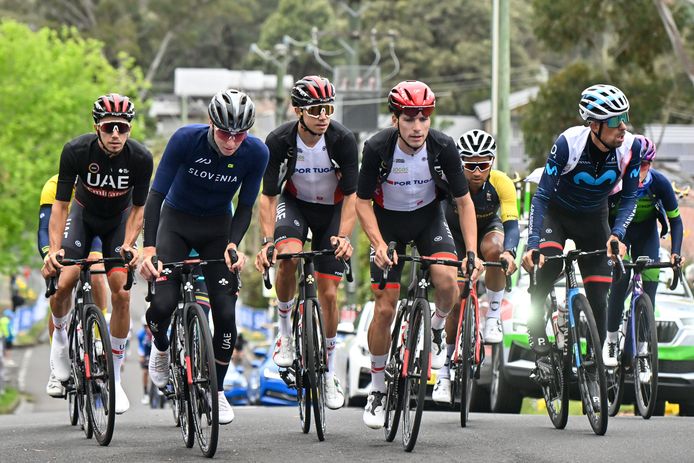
(106, 185)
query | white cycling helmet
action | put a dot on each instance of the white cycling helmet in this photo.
(602, 101)
(476, 142)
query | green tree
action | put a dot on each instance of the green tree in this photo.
(48, 82)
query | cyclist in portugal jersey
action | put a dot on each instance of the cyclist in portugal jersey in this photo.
(494, 197)
(112, 173)
(584, 165)
(189, 206)
(400, 186)
(656, 203)
(317, 158)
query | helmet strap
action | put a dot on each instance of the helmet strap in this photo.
(303, 124)
(104, 145)
(413, 148)
(597, 135)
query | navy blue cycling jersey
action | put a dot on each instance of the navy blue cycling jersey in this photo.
(190, 164)
(574, 182)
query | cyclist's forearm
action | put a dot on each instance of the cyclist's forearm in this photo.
(240, 223)
(348, 215)
(367, 218)
(43, 233)
(268, 210)
(134, 225)
(511, 235)
(468, 221)
(57, 224)
(676, 234)
(151, 218)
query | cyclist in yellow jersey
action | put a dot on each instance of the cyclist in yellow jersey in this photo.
(494, 197)
(54, 388)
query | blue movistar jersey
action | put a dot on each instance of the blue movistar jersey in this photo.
(190, 165)
(571, 180)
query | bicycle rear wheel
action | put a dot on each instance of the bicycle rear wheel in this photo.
(588, 361)
(417, 362)
(614, 378)
(468, 364)
(100, 383)
(202, 382)
(317, 366)
(393, 376)
(302, 326)
(645, 365)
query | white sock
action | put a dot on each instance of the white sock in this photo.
(284, 311)
(494, 298)
(438, 320)
(60, 332)
(612, 336)
(330, 346)
(118, 350)
(444, 372)
(378, 373)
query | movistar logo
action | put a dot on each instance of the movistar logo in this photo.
(634, 173)
(551, 170)
(610, 176)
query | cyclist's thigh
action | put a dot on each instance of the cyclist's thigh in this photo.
(394, 226)
(490, 238)
(112, 233)
(290, 223)
(436, 240)
(324, 221)
(552, 239)
(77, 233)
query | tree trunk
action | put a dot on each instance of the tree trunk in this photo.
(675, 38)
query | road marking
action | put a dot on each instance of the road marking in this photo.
(21, 379)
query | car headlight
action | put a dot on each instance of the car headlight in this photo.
(688, 321)
(269, 373)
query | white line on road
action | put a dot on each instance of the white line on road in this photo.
(21, 379)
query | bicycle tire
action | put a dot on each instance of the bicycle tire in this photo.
(614, 378)
(99, 375)
(645, 331)
(317, 368)
(467, 365)
(303, 387)
(202, 389)
(591, 371)
(76, 353)
(417, 358)
(556, 392)
(393, 377)
(72, 410)
(179, 374)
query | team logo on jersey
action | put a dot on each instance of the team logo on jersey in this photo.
(123, 171)
(117, 249)
(438, 238)
(166, 271)
(93, 168)
(550, 170)
(548, 231)
(230, 165)
(296, 222)
(223, 282)
(634, 173)
(608, 177)
(203, 161)
(399, 161)
(78, 243)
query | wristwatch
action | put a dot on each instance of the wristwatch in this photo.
(268, 239)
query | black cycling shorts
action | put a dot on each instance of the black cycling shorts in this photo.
(294, 219)
(426, 227)
(483, 228)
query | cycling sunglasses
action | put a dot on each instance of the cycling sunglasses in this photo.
(225, 135)
(614, 121)
(411, 111)
(472, 166)
(109, 127)
(316, 110)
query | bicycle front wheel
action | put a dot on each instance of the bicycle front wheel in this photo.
(468, 364)
(645, 365)
(317, 366)
(178, 374)
(588, 361)
(417, 362)
(100, 383)
(302, 326)
(393, 376)
(202, 382)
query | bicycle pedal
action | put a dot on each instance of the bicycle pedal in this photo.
(289, 377)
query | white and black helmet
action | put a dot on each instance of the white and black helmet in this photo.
(476, 142)
(602, 101)
(232, 110)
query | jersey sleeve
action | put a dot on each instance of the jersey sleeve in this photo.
(666, 195)
(48, 191)
(349, 163)
(453, 168)
(271, 185)
(630, 186)
(251, 182)
(66, 174)
(508, 208)
(368, 174)
(173, 157)
(554, 167)
(142, 178)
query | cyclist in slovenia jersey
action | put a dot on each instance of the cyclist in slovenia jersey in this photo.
(584, 165)
(494, 197)
(189, 206)
(112, 173)
(54, 388)
(656, 202)
(399, 189)
(316, 160)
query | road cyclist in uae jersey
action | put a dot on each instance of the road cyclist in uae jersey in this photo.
(112, 173)
(316, 160)
(189, 206)
(54, 388)
(656, 202)
(584, 165)
(400, 186)
(494, 197)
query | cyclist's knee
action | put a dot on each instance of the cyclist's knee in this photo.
(492, 246)
(286, 266)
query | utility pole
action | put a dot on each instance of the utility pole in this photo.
(501, 82)
(280, 59)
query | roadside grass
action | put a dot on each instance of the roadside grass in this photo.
(8, 400)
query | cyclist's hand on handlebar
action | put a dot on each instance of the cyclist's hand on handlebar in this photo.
(51, 264)
(240, 262)
(528, 260)
(343, 247)
(261, 261)
(510, 261)
(127, 248)
(676, 259)
(622, 248)
(147, 270)
(479, 265)
(381, 257)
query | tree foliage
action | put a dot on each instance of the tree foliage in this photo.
(48, 82)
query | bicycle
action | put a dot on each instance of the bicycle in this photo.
(468, 355)
(90, 390)
(310, 364)
(409, 361)
(575, 352)
(638, 340)
(192, 385)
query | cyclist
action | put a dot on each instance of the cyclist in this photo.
(317, 161)
(400, 185)
(584, 165)
(144, 348)
(113, 173)
(656, 203)
(54, 388)
(189, 206)
(492, 193)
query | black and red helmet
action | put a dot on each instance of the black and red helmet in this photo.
(411, 94)
(113, 105)
(312, 90)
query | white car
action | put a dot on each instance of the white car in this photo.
(352, 358)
